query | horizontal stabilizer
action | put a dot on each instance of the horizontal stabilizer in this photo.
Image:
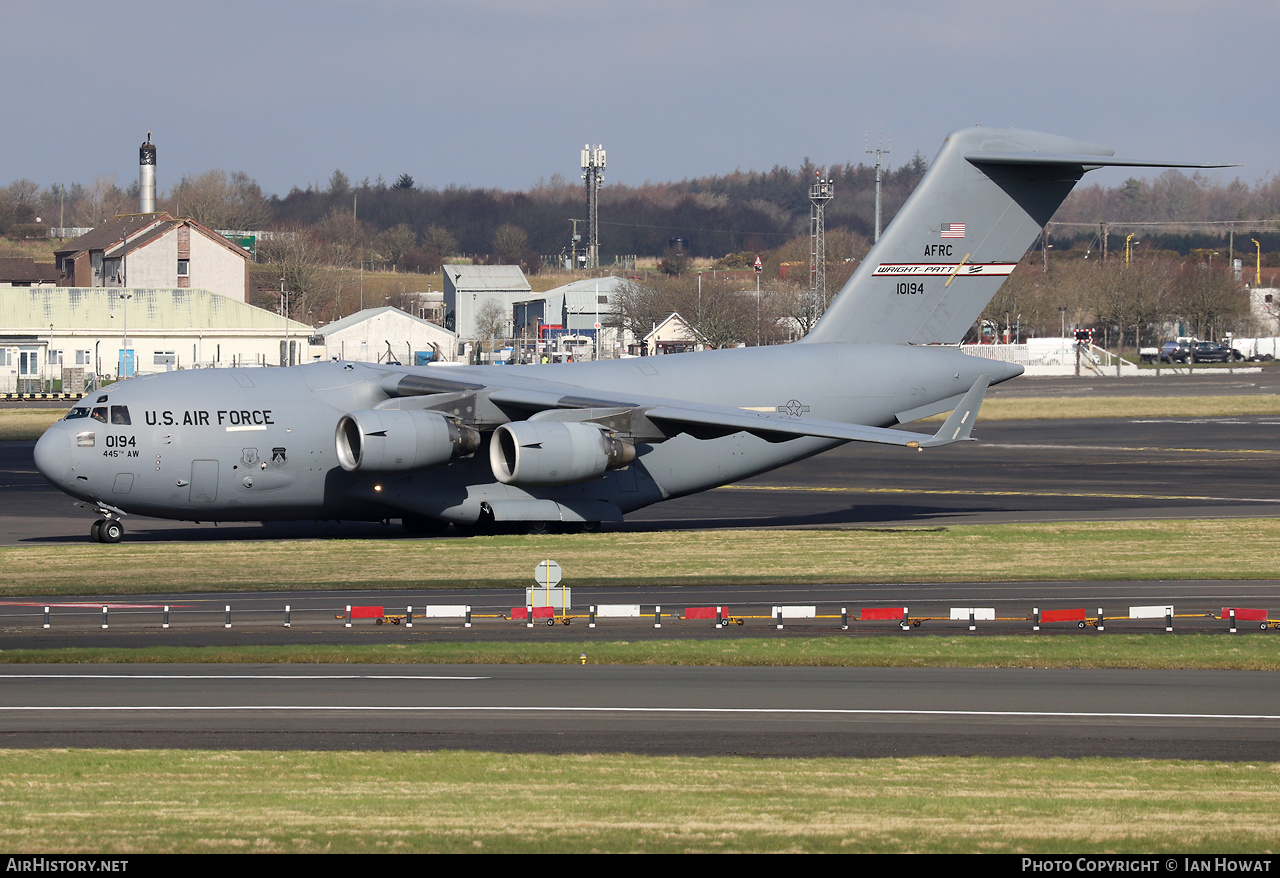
(960, 424)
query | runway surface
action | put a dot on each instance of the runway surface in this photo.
(1124, 469)
(655, 710)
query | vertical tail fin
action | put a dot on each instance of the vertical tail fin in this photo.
(981, 204)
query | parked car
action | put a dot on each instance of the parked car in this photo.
(1175, 352)
(1212, 352)
(1198, 352)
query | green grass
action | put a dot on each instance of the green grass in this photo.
(1175, 549)
(1140, 651)
(109, 802)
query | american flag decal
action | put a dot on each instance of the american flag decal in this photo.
(953, 230)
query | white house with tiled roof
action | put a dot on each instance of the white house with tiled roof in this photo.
(155, 250)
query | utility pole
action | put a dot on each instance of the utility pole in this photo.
(879, 152)
(573, 245)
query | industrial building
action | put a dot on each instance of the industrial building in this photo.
(60, 337)
(468, 288)
(381, 335)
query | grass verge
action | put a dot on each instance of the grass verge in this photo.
(1138, 651)
(64, 801)
(1202, 549)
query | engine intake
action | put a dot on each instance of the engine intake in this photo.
(555, 452)
(393, 440)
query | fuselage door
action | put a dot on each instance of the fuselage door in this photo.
(204, 481)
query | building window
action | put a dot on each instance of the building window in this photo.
(55, 358)
(82, 358)
(184, 268)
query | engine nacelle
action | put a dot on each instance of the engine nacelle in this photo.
(555, 452)
(393, 440)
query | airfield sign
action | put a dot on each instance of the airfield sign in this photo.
(547, 574)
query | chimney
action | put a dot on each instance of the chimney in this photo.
(147, 176)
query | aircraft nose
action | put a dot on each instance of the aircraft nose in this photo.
(53, 454)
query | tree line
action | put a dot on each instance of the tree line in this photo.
(345, 226)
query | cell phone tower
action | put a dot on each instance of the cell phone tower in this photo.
(593, 173)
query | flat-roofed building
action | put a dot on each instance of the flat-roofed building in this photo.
(47, 330)
(468, 288)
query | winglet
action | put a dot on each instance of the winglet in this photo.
(958, 427)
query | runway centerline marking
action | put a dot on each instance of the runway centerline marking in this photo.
(233, 677)
(785, 711)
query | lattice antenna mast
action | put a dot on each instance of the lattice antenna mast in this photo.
(593, 174)
(879, 151)
(820, 193)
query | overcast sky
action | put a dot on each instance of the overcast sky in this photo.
(501, 93)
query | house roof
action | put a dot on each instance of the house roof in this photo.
(24, 269)
(487, 278)
(142, 229)
(112, 232)
(370, 313)
(675, 318)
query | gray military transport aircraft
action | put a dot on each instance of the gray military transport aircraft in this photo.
(574, 445)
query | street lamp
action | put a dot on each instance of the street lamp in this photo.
(124, 341)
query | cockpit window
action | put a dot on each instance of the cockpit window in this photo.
(120, 415)
(79, 411)
(100, 413)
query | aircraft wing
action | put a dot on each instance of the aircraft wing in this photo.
(776, 427)
(654, 419)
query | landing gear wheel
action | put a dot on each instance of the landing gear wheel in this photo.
(537, 528)
(95, 530)
(111, 531)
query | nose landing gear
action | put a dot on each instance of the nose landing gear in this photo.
(107, 530)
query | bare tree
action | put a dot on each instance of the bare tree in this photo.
(509, 244)
(101, 201)
(221, 200)
(294, 254)
(392, 244)
(1209, 298)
